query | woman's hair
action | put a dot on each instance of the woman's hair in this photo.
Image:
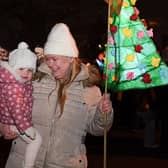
(75, 68)
(38, 76)
(93, 79)
(94, 76)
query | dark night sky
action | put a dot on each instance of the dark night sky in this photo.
(31, 20)
(156, 11)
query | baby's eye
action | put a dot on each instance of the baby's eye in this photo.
(30, 70)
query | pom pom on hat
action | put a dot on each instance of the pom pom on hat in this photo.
(22, 57)
(23, 45)
(61, 42)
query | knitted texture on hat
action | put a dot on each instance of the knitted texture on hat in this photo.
(22, 57)
(61, 42)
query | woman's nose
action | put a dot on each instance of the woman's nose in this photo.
(53, 64)
(50, 63)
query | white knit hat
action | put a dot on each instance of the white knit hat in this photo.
(61, 42)
(22, 57)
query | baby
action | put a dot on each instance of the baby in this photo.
(16, 99)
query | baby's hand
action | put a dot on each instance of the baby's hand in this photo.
(6, 132)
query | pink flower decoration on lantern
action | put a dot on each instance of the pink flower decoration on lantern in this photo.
(111, 66)
(111, 40)
(140, 34)
(130, 75)
(136, 10)
(150, 32)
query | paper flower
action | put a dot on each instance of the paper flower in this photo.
(110, 20)
(138, 48)
(125, 4)
(113, 29)
(136, 11)
(140, 34)
(111, 40)
(127, 32)
(134, 17)
(150, 32)
(146, 78)
(130, 75)
(155, 61)
(111, 66)
(130, 57)
(114, 78)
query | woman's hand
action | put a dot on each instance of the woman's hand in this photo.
(6, 132)
(105, 104)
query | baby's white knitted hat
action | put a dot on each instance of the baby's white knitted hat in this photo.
(22, 57)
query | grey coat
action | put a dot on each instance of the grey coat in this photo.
(63, 138)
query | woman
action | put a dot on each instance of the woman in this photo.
(65, 108)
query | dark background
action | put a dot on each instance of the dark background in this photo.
(31, 20)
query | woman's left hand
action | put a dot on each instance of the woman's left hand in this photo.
(105, 104)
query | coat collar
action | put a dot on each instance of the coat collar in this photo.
(83, 75)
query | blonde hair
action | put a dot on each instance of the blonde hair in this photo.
(74, 71)
(75, 68)
(94, 76)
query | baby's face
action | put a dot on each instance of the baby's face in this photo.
(25, 73)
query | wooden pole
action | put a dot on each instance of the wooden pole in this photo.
(105, 115)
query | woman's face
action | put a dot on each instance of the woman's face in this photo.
(59, 65)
